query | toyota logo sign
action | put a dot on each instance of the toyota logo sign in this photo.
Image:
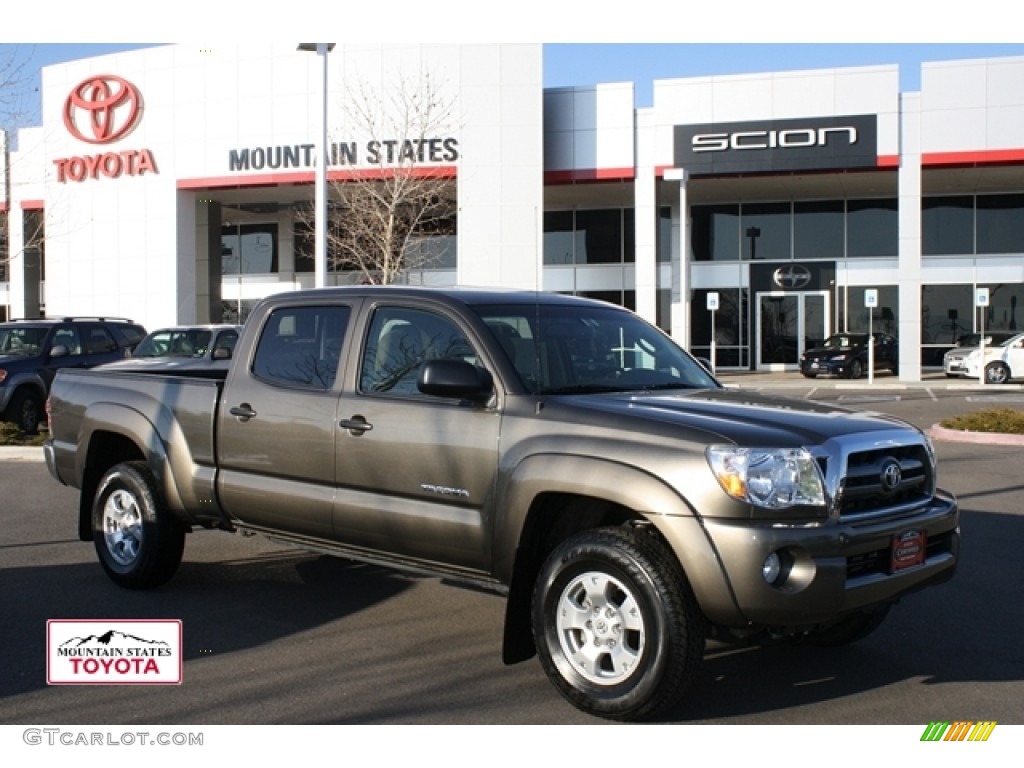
(102, 109)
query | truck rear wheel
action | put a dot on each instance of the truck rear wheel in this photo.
(139, 543)
(616, 626)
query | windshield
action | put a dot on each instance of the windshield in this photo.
(843, 341)
(174, 343)
(21, 341)
(563, 349)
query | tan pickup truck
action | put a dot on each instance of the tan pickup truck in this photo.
(557, 450)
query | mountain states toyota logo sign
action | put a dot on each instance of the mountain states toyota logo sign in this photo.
(113, 652)
(103, 109)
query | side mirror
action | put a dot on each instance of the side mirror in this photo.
(59, 350)
(221, 353)
(455, 379)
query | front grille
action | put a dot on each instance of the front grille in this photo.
(885, 480)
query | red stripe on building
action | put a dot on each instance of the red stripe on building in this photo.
(589, 174)
(307, 177)
(981, 157)
(32, 205)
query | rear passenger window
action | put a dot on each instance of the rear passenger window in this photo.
(301, 347)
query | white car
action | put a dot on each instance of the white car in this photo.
(1001, 363)
(954, 362)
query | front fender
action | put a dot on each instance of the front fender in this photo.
(628, 486)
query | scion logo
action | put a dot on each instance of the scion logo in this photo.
(792, 277)
(102, 109)
(771, 146)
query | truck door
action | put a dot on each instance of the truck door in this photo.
(277, 422)
(415, 472)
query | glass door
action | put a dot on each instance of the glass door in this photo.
(788, 324)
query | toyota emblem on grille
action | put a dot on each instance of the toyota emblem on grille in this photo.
(792, 276)
(891, 476)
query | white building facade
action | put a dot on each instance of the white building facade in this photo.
(750, 216)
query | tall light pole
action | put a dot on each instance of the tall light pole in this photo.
(320, 181)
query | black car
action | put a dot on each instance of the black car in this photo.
(32, 351)
(846, 354)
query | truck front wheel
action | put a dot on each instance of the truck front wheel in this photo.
(139, 543)
(616, 625)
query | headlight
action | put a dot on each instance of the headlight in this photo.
(839, 358)
(773, 478)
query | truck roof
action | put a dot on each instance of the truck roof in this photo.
(465, 295)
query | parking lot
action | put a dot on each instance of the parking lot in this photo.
(276, 635)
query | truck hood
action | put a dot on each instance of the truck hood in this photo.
(730, 416)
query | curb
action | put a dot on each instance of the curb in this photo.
(960, 436)
(15, 453)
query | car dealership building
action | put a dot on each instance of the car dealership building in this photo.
(748, 215)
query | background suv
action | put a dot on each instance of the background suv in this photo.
(32, 351)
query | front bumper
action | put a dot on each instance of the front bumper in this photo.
(834, 568)
(825, 367)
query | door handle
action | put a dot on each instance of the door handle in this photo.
(357, 425)
(244, 412)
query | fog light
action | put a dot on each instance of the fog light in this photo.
(771, 568)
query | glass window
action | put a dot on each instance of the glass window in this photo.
(249, 249)
(1005, 311)
(730, 324)
(664, 246)
(872, 228)
(4, 245)
(818, 230)
(400, 341)
(715, 232)
(589, 348)
(766, 231)
(599, 237)
(300, 347)
(1000, 223)
(628, 235)
(304, 247)
(558, 246)
(946, 312)
(858, 317)
(947, 225)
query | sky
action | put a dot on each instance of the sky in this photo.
(569, 64)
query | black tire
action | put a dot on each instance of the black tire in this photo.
(139, 543)
(997, 373)
(847, 630)
(811, 375)
(641, 663)
(856, 369)
(25, 410)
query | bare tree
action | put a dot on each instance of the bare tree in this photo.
(385, 215)
(15, 79)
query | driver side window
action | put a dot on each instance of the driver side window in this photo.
(400, 340)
